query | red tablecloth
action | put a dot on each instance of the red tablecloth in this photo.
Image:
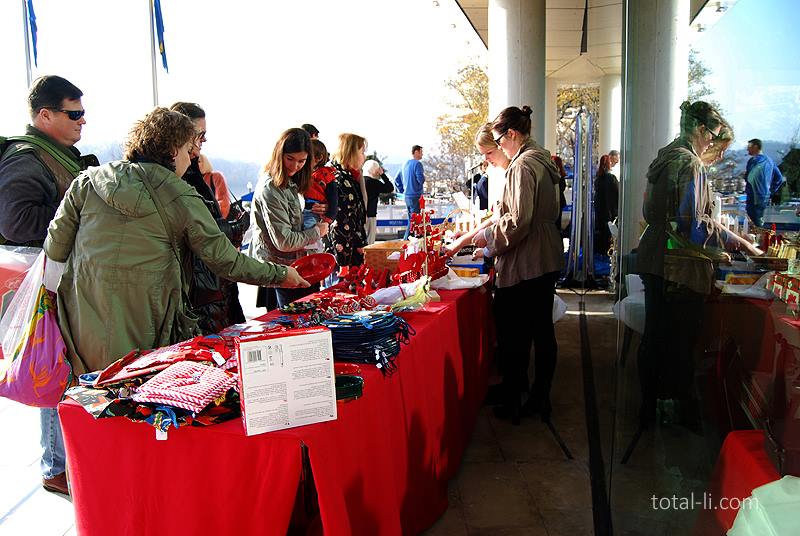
(742, 466)
(380, 468)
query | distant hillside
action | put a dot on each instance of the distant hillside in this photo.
(237, 172)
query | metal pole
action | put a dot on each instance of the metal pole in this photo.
(154, 73)
(27, 41)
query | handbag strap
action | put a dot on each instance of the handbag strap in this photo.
(170, 235)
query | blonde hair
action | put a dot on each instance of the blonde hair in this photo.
(716, 150)
(484, 138)
(349, 146)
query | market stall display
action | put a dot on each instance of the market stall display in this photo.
(380, 468)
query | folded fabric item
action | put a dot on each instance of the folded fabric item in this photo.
(187, 384)
(148, 362)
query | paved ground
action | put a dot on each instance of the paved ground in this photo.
(513, 481)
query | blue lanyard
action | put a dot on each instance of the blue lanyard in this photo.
(372, 337)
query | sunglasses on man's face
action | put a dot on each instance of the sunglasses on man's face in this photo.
(74, 115)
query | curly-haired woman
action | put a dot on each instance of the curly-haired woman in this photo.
(125, 231)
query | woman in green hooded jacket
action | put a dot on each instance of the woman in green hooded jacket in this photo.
(125, 231)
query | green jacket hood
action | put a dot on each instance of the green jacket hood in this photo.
(120, 185)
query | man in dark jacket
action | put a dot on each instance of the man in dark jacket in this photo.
(33, 179)
(376, 183)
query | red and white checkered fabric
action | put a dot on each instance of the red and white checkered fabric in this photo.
(187, 384)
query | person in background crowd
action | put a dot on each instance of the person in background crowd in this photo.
(410, 182)
(348, 232)
(606, 201)
(678, 202)
(613, 158)
(376, 183)
(125, 230)
(311, 129)
(322, 189)
(764, 180)
(277, 213)
(479, 186)
(33, 181)
(216, 182)
(214, 300)
(529, 257)
(562, 187)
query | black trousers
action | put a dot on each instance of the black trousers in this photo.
(666, 358)
(523, 313)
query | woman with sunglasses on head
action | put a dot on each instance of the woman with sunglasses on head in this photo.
(125, 231)
(277, 214)
(529, 257)
(215, 301)
(677, 208)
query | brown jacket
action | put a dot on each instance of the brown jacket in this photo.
(525, 238)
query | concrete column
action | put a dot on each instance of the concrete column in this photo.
(656, 79)
(550, 115)
(610, 113)
(517, 58)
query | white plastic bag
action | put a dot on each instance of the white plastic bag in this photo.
(15, 321)
(15, 261)
(452, 281)
(559, 308)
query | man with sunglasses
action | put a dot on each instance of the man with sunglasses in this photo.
(36, 169)
(35, 172)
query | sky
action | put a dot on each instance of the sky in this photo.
(372, 67)
(752, 53)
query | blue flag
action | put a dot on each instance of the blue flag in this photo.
(32, 22)
(159, 32)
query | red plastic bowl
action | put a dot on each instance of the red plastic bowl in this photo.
(314, 268)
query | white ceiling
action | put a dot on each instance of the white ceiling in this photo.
(564, 23)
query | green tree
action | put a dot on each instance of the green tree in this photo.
(698, 85)
(446, 166)
(698, 88)
(571, 100)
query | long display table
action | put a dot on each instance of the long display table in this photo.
(381, 468)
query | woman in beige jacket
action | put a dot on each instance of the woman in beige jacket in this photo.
(529, 257)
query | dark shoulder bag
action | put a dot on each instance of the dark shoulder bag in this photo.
(185, 325)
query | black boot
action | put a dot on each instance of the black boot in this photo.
(538, 404)
(494, 395)
(511, 408)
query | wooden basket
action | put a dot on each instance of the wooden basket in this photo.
(375, 255)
